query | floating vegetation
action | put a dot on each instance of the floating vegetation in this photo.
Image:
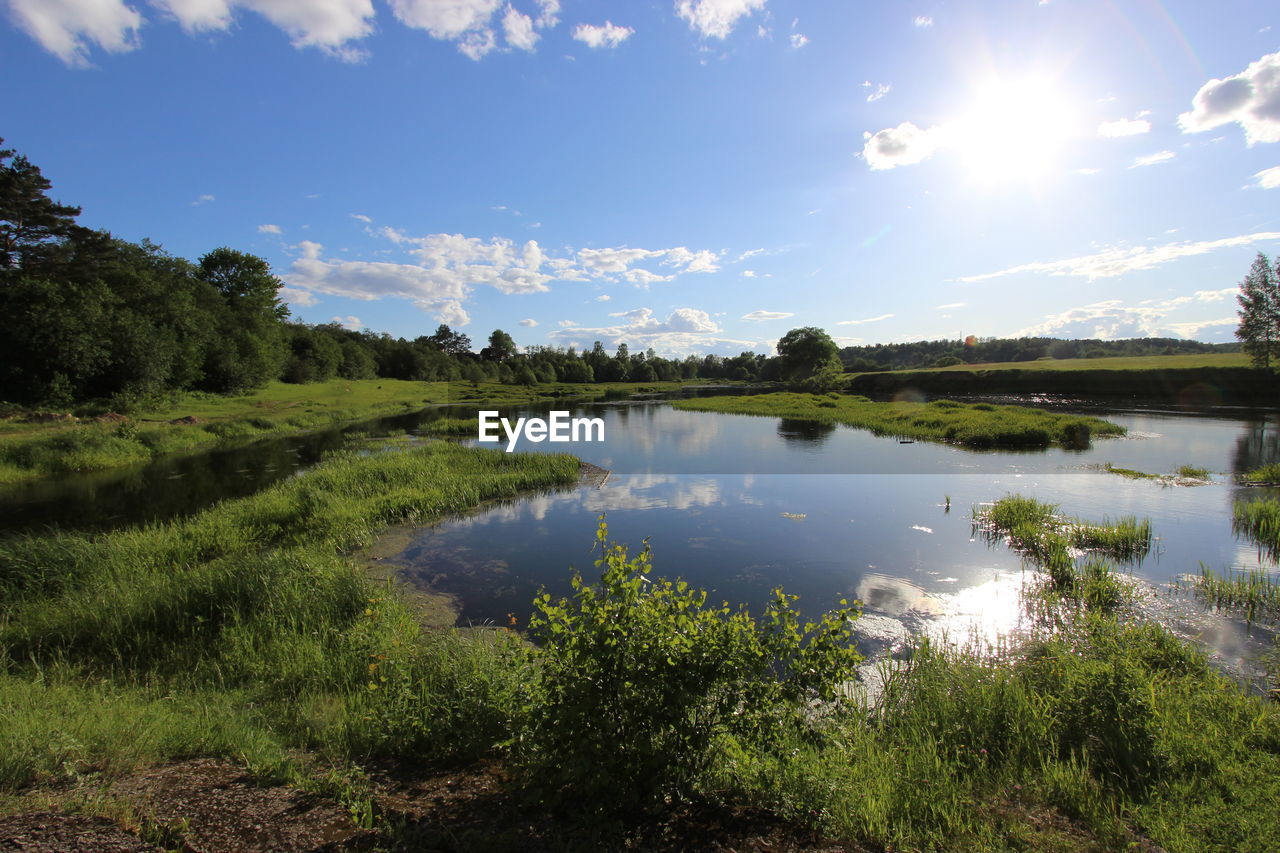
(1183, 475)
(1259, 521)
(1266, 475)
(452, 426)
(1038, 530)
(1253, 592)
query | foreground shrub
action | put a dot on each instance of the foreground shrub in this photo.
(640, 680)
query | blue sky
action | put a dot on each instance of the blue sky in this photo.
(691, 175)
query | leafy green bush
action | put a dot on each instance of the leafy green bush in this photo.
(641, 681)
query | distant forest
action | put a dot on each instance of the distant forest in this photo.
(989, 350)
(87, 316)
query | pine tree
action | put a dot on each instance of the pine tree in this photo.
(1259, 299)
(29, 220)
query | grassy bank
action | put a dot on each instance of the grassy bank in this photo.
(1184, 379)
(242, 632)
(972, 425)
(29, 450)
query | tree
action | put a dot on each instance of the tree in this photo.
(449, 341)
(1259, 298)
(501, 347)
(806, 351)
(30, 221)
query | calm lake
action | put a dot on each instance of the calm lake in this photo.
(739, 505)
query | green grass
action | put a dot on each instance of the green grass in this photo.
(1253, 592)
(453, 426)
(1265, 474)
(1182, 472)
(1259, 520)
(1145, 362)
(1041, 532)
(30, 451)
(979, 425)
(250, 605)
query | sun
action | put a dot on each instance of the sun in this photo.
(1014, 130)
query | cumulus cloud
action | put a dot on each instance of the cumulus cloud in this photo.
(518, 29)
(269, 229)
(901, 145)
(799, 40)
(330, 25)
(768, 315)
(1112, 318)
(449, 267)
(1116, 262)
(868, 320)
(1250, 98)
(715, 18)
(529, 322)
(1152, 159)
(684, 330)
(69, 28)
(349, 322)
(607, 34)
(1269, 179)
(298, 296)
(1124, 127)
(604, 297)
(923, 21)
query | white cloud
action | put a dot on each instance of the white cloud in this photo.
(1251, 98)
(269, 229)
(1087, 171)
(349, 322)
(204, 199)
(1124, 127)
(748, 273)
(799, 40)
(1116, 262)
(1152, 159)
(768, 315)
(361, 217)
(949, 306)
(445, 19)
(477, 45)
(529, 322)
(547, 14)
(297, 296)
(517, 27)
(450, 266)
(607, 34)
(68, 28)
(1269, 179)
(868, 320)
(881, 89)
(901, 145)
(923, 21)
(715, 18)
(325, 24)
(604, 297)
(684, 330)
(1111, 319)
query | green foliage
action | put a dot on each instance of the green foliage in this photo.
(1253, 592)
(1264, 474)
(640, 680)
(1259, 299)
(808, 351)
(1259, 520)
(978, 425)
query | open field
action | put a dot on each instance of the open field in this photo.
(1199, 380)
(972, 425)
(29, 450)
(1147, 362)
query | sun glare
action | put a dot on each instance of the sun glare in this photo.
(1015, 130)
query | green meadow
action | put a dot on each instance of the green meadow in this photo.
(981, 425)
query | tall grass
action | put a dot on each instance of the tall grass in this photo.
(1039, 530)
(1253, 592)
(1265, 474)
(973, 425)
(1259, 520)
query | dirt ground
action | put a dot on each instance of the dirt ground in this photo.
(211, 806)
